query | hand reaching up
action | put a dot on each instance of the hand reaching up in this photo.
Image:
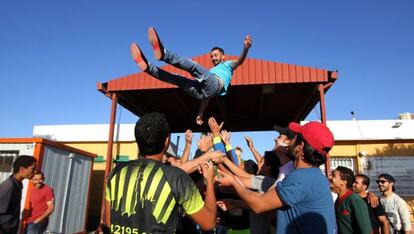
(214, 126)
(225, 136)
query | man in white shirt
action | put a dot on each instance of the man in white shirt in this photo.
(395, 207)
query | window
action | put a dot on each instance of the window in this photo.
(6, 160)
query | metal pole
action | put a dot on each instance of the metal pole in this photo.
(108, 164)
(321, 89)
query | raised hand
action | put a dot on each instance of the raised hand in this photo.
(225, 136)
(205, 143)
(199, 120)
(249, 141)
(188, 136)
(248, 41)
(214, 126)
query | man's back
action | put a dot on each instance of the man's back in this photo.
(10, 196)
(145, 195)
(308, 203)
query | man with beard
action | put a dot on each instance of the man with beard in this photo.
(303, 199)
(376, 214)
(41, 205)
(395, 207)
(207, 83)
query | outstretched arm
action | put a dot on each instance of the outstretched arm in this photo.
(203, 106)
(206, 217)
(242, 57)
(257, 202)
(192, 165)
(187, 148)
(255, 153)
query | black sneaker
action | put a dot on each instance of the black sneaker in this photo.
(139, 57)
(156, 44)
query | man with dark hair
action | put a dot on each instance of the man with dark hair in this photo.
(376, 214)
(395, 207)
(303, 199)
(351, 211)
(11, 193)
(144, 195)
(207, 83)
(41, 205)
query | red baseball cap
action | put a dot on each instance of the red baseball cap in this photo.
(316, 135)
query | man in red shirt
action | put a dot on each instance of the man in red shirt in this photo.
(41, 205)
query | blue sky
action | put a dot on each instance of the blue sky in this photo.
(52, 53)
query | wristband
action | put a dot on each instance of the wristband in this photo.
(228, 147)
(216, 140)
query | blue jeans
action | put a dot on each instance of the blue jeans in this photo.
(205, 86)
(36, 228)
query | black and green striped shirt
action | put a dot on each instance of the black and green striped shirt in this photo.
(145, 196)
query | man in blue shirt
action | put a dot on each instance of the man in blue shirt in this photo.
(207, 83)
(303, 199)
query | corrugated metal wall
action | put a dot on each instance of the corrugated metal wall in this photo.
(68, 174)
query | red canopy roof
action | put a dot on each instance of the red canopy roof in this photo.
(262, 94)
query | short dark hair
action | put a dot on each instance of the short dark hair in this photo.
(347, 175)
(39, 173)
(390, 178)
(250, 167)
(311, 156)
(365, 179)
(151, 131)
(24, 161)
(217, 48)
(273, 161)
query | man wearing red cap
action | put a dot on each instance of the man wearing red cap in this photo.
(303, 199)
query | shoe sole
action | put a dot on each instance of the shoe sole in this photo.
(155, 43)
(138, 57)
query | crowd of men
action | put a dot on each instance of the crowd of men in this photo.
(285, 192)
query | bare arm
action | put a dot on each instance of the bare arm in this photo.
(242, 57)
(203, 106)
(257, 202)
(385, 229)
(192, 165)
(187, 147)
(234, 169)
(256, 154)
(206, 217)
(47, 213)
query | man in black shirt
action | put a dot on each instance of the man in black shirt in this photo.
(144, 195)
(376, 214)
